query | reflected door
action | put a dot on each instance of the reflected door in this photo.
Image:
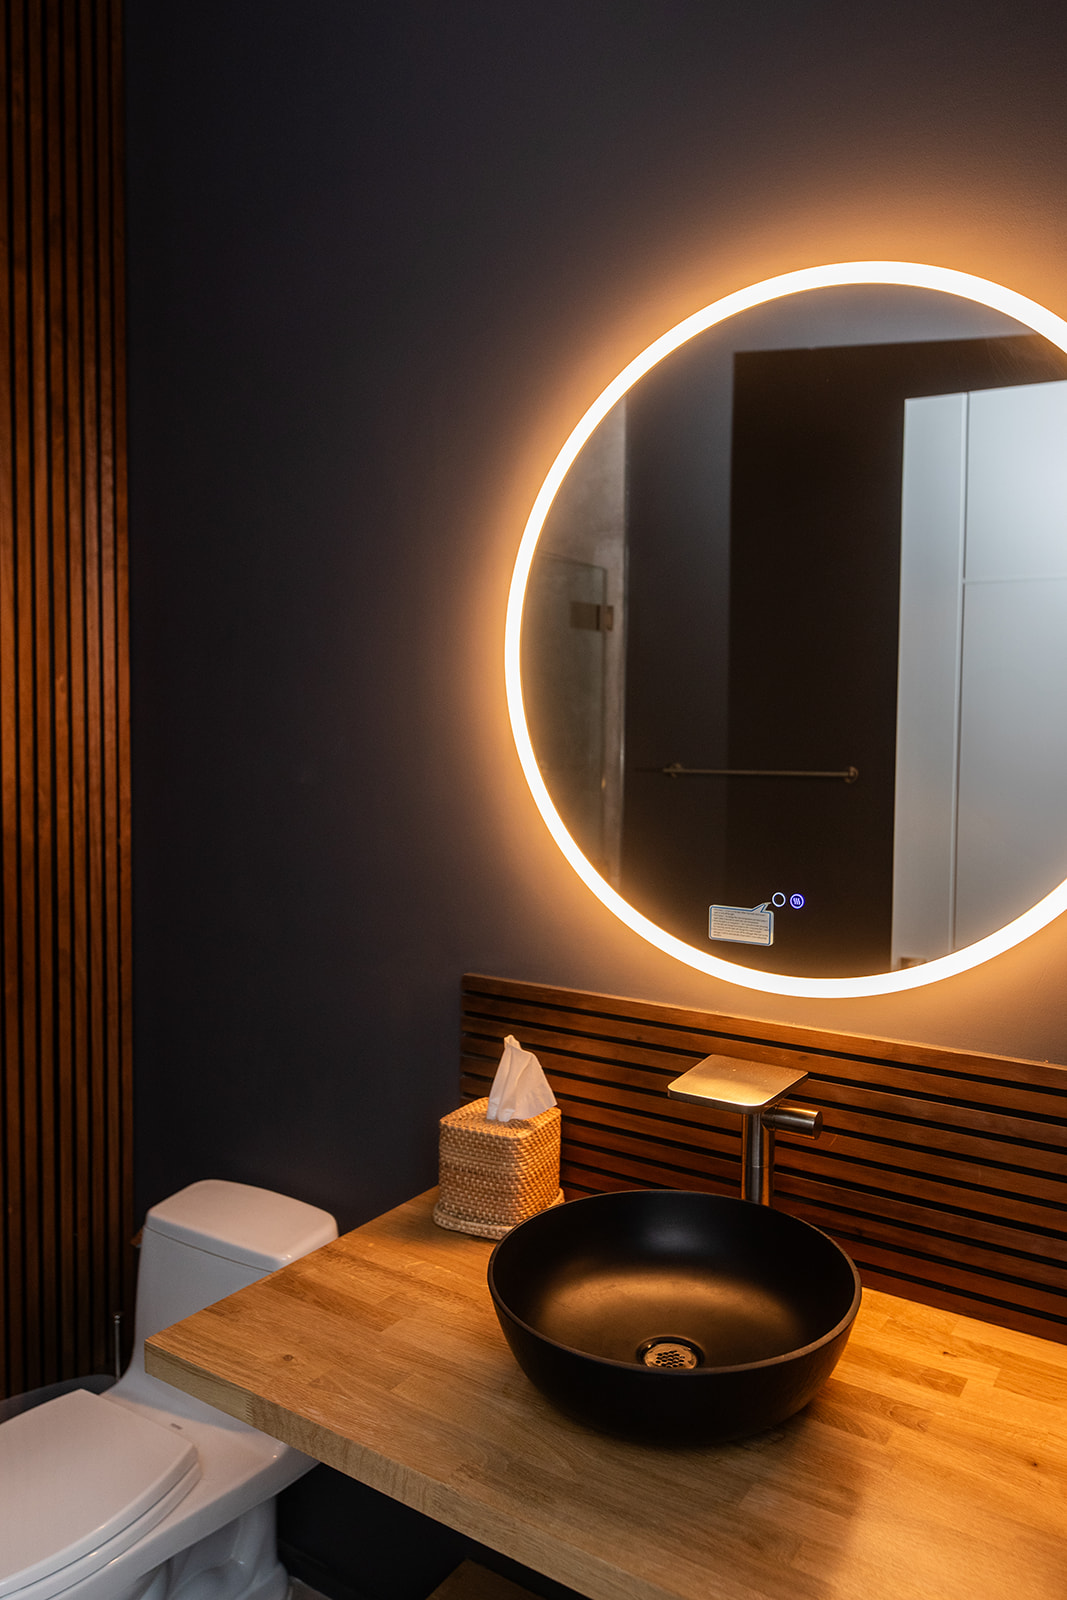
(981, 824)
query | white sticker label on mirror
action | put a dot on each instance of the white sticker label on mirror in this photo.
(741, 925)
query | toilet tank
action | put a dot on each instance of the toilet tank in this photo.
(209, 1240)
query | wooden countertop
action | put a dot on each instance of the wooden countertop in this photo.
(932, 1466)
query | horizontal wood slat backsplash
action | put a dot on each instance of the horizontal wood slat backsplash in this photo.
(942, 1172)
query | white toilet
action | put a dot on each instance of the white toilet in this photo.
(142, 1492)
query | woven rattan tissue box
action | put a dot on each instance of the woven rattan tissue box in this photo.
(496, 1174)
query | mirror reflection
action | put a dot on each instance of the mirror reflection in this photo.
(795, 635)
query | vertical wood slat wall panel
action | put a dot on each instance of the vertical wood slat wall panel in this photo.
(65, 1076)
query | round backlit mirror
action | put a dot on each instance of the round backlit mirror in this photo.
(787, 633)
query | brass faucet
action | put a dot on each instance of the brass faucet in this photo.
(754, 1090)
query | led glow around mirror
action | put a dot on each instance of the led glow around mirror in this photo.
(907, 275)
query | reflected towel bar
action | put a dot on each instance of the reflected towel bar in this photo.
(676, 770)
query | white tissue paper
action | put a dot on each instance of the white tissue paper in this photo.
(520, 1088)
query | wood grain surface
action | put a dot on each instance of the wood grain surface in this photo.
(473, 1582)
(933, 1466)
(66, 1028)
(942, 1172)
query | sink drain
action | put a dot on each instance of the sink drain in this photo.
(670, 1354)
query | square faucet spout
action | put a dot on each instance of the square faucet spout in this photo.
(728, 1083)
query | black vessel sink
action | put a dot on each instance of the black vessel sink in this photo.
(674, 1316)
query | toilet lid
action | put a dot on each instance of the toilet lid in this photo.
(75, 1474)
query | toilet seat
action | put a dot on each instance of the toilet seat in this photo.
(81, 1480)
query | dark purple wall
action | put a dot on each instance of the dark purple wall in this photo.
(381, 256)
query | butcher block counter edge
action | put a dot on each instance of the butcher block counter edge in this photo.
(932, 1466)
